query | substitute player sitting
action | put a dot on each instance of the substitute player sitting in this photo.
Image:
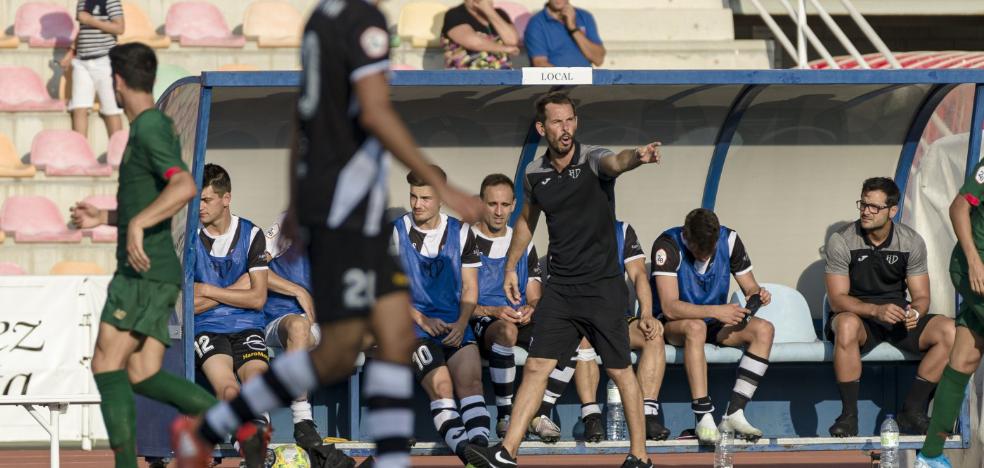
(692, 265)
(290, 321)
(499, 325)
(228, 317)
(439, 255)
(871, 263)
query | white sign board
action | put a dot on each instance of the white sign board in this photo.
(558, 76)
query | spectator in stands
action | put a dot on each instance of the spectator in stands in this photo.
(499, 325)
(231, 275)
(100, 21)
(478, 36)
(440, 256)
(871, 264)
(563, 36)
(691, 268)
(290, 321)
(646, 336)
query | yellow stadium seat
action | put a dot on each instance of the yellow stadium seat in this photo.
(67, 267)
(10, 162)
(9, 42)
(420, 23)
(140, 29)
(273, 24)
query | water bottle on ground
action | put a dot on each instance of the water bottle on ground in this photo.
(889, 443)
(616, 414)
(724, 450)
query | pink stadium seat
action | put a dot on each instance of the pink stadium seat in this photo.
(35, 219)
(11, 269)
(65, 153)
(273, 24)
(199, 24)
(518, 14)
(101, 234)
(117, 144)
(45, 25)
(22, 90)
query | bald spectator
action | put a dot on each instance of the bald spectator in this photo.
(478, 36)
(563, 36)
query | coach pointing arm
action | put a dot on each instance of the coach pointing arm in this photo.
(630, 159)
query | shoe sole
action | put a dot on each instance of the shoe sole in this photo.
(658, 437)
(593, 439)
(477, 459)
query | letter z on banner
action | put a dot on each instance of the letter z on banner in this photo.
(558, 76)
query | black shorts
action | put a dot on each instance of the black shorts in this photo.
(907, 340)
(349, 271)
(481, 325)
(568, 312)
(430, 355)
(244, 346)
(713, 328)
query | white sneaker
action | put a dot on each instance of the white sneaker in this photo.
(545, 429)
(707, 431)
(737, 424)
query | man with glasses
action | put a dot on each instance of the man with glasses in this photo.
(870, 265)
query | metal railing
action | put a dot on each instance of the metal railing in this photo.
(805, 34)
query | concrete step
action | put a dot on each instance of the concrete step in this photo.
(873, 7)
(37, 259)
(665, 25)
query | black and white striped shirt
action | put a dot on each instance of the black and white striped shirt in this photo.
(93, 43)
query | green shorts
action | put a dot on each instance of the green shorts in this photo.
(971, 314)
(140, 305)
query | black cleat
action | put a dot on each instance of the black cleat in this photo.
(306, 434)
(846, 425)
(633, 462)
(253, 439)
(481, 441)
(489, 457)
(913, 423)
(655, 430)
(594, 428)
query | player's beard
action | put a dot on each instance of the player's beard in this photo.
(556, 145)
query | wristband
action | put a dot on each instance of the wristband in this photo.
(572, 31)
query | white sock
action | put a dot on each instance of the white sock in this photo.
(301, 410)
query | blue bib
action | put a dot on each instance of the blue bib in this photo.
(491, 275)
(223, 272)
(435, 283)
(297, 270)
(708, 288)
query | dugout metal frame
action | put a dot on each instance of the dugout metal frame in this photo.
(752, 83)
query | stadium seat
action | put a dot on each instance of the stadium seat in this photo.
(45, 25)
(66, 153)
(140, 29)
(102, 234)
(9, 42)
(167, 74)
(116, 147)
(273, 24)
(67, 267)
(199, 24)
(420, 23)
(11, 269)
(518, 14)
(35, 219)
(237, 67)
(22, 90)
(398, 66)
(882, 352)
(10, 161)
(795, 339)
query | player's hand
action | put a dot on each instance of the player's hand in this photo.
(889, 314)
(85, 18)
(912, 317)
(650, 153)
(731, 314)
(135, 254)
(651, 328)
(201, 290)
(66, 61)
(434, 326)
(764, 295)
(569, 16)
(526, 313)
(468, 207)
(485, 6)
(456, 334)
(86, 215)
(510, 50)
(510, 284)
(506, 313)
(976, 275)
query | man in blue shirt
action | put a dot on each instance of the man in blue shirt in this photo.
(563, 36)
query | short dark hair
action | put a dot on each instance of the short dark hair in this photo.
(555, 97)
(884, 185)
(217, 178)
(136, 64)
(701, 230)
(416, 181)
(492, 180)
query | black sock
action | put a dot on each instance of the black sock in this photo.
(701, 406)
(849, 396)
(918, 398)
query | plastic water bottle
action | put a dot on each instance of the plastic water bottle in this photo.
(889, 443)
(616, 414)
(724, 451)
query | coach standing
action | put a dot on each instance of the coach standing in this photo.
(585, 294)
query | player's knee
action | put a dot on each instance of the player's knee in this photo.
(443, 387)
(537, 366)
(504, 333)
(846, 329)
(695, 331)
(654, 346)
(330, 361)
(763, 331)
(298, 329)
(948, 332)
(227, 391)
